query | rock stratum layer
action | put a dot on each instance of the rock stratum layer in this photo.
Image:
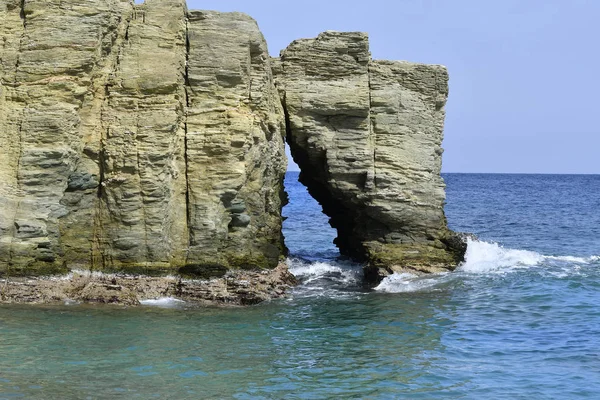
(149, 139)
(367, 136)
(137, 138)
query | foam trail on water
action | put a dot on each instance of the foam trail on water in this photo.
(162, 302)
(572, 259)
(404, 282)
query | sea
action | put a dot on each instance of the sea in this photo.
(519, 319)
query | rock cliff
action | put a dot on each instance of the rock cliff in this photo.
(149, 139)
(367, 136)
(137, 138)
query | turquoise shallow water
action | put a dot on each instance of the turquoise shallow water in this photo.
(520, 320)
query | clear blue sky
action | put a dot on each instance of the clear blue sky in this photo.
(524, 74)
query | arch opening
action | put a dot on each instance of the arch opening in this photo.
(306, 228)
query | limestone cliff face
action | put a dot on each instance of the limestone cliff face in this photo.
(235, 151)
(149, 139)
(141, 138)
(367, 136)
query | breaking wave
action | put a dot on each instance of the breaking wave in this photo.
(330, 278)
(490, 258)
(339, 272)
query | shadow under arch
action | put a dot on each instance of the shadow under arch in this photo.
(306, 229)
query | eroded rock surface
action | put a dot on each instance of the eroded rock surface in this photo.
(236, 288)
(148, 139)
(138, 138)
(234, 148)
(367, 136)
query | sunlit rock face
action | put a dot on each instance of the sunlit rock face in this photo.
(139, 138)
(148, 139)
(367, 136)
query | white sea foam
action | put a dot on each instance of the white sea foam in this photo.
(404, 282)
(162, 302)
(483, 257)
(572, 259)
(486, 257)
(331, 279)
(340, 272)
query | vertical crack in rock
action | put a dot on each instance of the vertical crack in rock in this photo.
(187, 88)
(99, 258)
(23, 15)
(13, 227)
(14, 31)
(373, 135)
(126, 37)
(140, 168)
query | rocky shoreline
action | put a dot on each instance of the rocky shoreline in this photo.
(236, 288)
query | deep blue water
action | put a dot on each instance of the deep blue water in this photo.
(519, 320)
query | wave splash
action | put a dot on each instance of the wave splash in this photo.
(334, 278)
(336, 271)
(489, 258)
(326, 278)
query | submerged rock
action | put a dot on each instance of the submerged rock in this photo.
(367, 136)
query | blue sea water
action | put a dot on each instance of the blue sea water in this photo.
(520, 319)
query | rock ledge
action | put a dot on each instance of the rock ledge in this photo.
(236, 288)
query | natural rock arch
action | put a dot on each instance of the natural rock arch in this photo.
(146, 138)
(367, 136)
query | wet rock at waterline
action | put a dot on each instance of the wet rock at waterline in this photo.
(235, 288)
(148, 139)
